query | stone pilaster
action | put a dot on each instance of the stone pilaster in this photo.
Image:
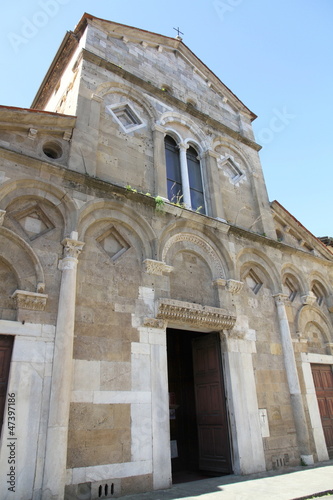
(211, 178)
(56, 441)
(293, 381)
(159, 162)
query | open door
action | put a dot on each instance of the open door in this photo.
(214, 449)
(198, 421)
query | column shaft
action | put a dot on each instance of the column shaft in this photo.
(61, 385)
(293, 381)
(184, 174)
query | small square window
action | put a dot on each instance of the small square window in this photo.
(126, 117)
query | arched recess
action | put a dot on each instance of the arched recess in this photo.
(40, 190)
(208, 246)
(235, 150)
(119, 213)
(198, 245)
(119, 88)
(312, 314)
(251, 257)
(290, 269)
(20, 257)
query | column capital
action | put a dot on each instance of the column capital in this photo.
(182, 146)
(309, 299)
(280, 298)
(158, 128)
(72, 247)
(211, 154)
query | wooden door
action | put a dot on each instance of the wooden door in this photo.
(214, 449)
(6, 346)
(323, 380)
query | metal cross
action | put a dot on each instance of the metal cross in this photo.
(178, 30)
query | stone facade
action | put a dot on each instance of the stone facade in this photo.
(97, 266)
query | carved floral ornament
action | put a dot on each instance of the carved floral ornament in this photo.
(196, 315)
(156, 267)
(30, 300)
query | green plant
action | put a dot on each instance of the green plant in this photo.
(129, 188)
(159, 204)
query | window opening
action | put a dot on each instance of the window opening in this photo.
(174, 182)
(196, 188)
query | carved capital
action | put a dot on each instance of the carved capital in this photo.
(182, 146)
(72, 248)
(2, 216)
(309, 299)
(158, 128)
(210, 154)
(156, 267)
(280, 298)
(196, 315)
(30, 300)
(234, 286)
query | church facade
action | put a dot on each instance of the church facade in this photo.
(159, 316)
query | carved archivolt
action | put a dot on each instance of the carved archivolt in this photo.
(208, 252)
(195, 315)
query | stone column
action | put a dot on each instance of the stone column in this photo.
(184, 174)
(293, 381)
(159, 162)
(212, 184)
(61, 385)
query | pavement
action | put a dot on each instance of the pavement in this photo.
(297, 483)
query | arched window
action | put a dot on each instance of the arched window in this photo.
(184, 181)
(174, 181)
(194, 174)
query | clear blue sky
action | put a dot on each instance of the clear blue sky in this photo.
(275, 55)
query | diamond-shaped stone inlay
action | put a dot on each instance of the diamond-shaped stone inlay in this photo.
(253, 281)
(34, 221)
(113, 243)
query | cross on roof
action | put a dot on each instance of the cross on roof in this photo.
(178, 31)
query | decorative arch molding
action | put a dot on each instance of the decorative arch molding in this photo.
(205, 250)
(41, 190)
(22, 260)
(190, 227)
(119, 88)
(316, 276)
(224, 142)
(200, 139)
(290, 269)
(313, 314)
(251, 257)
(97, 211)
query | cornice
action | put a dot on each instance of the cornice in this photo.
(196, 315)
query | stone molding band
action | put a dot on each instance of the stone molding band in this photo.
(188, 313)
